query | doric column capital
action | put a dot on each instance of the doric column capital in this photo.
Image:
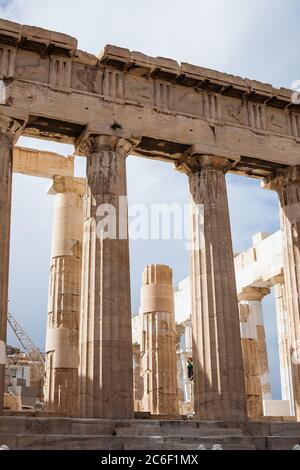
(286, 183)
(67, 184)
(92, 140)
(100, 143)
(206, 175)
(10, 126)
(253, 293)
(193, 162)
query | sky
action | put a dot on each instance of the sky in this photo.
(257, 39)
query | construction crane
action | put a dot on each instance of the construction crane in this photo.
(31, 351)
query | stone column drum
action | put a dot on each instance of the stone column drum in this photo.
(8, 131)
(219, 387)
(105, 369)
(287, 185)
(62, 355)
(159, 360)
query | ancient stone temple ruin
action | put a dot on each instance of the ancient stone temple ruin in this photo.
(206, 124)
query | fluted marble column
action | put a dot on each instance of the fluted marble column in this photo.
(254, 349)
(159, 360)
(105, 369)
(287, 185)
(284, 343)
(219, 388)
(62, 355)
(8, 132)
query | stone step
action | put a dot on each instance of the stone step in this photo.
(170, 432)
(235, 446)
(79, 426)
(282, 442)
(32, 425)
(278, 428)
(75, 433)
(59, 426)
(188, 443)
(95, 442)
(63, 442)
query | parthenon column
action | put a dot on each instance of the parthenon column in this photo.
(64, 296)
(284, 343)
(159, 360)
(254, 349)
(219, 387)
(105, 368)
(252, 296)
(8, 130)
(287, 185)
